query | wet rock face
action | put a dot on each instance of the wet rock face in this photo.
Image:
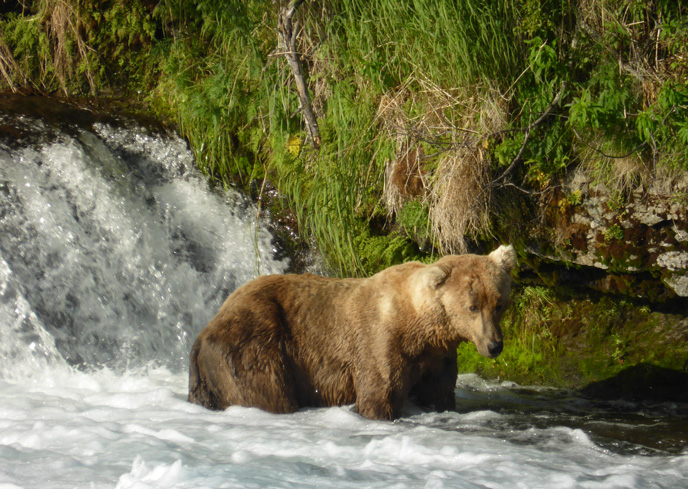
(639, 240)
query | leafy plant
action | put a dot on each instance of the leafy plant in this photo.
(613, 233)
(620, 348)
(413, 219)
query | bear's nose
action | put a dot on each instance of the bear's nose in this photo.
(495, 348)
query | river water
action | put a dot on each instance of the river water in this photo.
(114, 254)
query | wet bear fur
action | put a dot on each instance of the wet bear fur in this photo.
(283, 342)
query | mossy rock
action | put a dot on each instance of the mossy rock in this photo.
(642, 382)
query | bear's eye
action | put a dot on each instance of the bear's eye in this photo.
(473, 309)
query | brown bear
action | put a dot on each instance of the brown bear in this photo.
(282, 342)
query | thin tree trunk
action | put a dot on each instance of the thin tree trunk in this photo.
(287, 32)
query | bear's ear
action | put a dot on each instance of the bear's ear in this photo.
(504, 257)
(434, 276)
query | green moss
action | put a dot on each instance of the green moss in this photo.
(571, 341)
(613, 233)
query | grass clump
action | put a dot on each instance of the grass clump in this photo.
(75, 47)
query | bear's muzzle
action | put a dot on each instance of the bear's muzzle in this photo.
(494, 348)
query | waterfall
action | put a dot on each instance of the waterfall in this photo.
(114, 250)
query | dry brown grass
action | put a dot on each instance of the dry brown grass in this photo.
(405, 179)
(623, 172)
(623, 176)
(460, 199)
(620, 175)
(395, 123)
(64, 28)
(9, 69)
(454, 181)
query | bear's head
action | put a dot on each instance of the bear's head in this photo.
(471, 293)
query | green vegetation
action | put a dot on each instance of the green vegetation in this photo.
(443, 125)
(573, 340)
(493, 96)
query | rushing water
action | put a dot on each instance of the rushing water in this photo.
(114, 254)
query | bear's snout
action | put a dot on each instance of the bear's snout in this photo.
(494, 348)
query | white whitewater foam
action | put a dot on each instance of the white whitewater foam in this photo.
(120, 251)
(135, 430)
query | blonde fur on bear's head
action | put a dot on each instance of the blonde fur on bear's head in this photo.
(504, 257)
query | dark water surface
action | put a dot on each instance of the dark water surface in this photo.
(623, 427)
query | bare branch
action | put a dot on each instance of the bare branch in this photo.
(538, 121)
(288, 30)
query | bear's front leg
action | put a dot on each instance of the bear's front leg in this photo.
(375, 407)
(379, 400)
(437, 397)
(437, 388)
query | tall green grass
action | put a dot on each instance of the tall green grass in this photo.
(362, 51)
(452, 43)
